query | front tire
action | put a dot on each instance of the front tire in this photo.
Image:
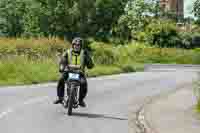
(71, 99)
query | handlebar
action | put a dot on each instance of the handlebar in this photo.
(73, 70)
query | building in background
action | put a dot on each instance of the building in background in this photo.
(164, 4)
(174, 6)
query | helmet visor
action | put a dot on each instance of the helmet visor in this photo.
(77, 46)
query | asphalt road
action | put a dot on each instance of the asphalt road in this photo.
(110, 102)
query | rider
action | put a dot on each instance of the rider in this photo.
(77, 56)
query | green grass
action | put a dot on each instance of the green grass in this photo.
(21, 70)
(104, 70)
(198, 107)
(25, 71)
(109, 70)
(28, 61)
(197, 94)
(139, 53)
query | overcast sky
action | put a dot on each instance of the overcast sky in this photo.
(188, 7)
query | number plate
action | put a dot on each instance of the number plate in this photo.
(74, 76)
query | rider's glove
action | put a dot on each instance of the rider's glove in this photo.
(61, 68)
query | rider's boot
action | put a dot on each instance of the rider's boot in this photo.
(58, 101)
(82, 103)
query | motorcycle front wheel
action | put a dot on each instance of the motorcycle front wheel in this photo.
(71, 99)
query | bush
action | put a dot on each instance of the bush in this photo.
(196, 40)
(165, 34)
(186, 40)
(103, 54)
(141, 36)
(162, 34)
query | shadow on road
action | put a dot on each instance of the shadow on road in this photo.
(100, 116)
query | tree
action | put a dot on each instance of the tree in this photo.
(58, 17)
(162, 33)
(107, 14)
(11, 12)
(64, 18)
(138, 14)
(196, 8)
(32, 20)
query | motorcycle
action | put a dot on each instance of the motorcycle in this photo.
(73, 83)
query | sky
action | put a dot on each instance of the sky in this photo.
(188, 7)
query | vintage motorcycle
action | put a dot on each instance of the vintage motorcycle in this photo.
(73, 83)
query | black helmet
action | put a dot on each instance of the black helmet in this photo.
(77, 40)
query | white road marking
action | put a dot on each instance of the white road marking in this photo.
(28, 102)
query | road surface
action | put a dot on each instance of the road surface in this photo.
(111, 101)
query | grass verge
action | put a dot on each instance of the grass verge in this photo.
(28, 61)
(22, 70)
(197, 94)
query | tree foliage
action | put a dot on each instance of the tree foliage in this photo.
(138, 14)
(162, 34)
(59, 17)
(196, 8)
(11, 12)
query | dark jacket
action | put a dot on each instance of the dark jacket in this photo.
(87, 59)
